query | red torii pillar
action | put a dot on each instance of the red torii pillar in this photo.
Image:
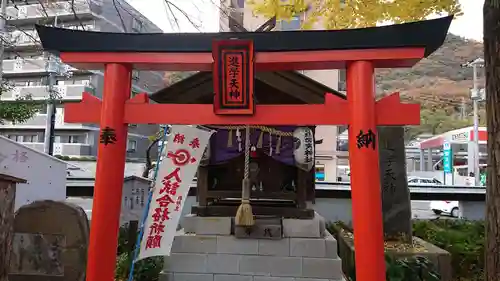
(361, 111)
(108, 186)
(365, 174)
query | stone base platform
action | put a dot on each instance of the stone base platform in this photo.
(206, 250)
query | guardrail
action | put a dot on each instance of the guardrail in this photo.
(331, 185)
(339, 190)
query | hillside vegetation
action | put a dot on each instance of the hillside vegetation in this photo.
(440, 84)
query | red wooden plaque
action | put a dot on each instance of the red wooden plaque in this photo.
(233, 77)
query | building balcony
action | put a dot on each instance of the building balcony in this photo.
(22, 39)
(39, 121)
(23, 66)
(34, 12)
(63, 92)
(69, 149)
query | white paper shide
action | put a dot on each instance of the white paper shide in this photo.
(184, 151)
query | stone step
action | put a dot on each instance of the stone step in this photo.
(208, 251)
(296, 228)
(232, 277)
(287, 247)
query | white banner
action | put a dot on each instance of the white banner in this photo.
(176, 172)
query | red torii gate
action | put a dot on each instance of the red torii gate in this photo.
(358, 50)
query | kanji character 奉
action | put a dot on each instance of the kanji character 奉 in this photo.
(195, 143)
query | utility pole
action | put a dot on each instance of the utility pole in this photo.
(463, 113)
(48, 141)
(476, 96)
(3, 16)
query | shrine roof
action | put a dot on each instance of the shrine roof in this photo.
(429, 34)
(291, 83)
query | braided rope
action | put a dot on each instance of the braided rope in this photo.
(262, 128)
(247, 152)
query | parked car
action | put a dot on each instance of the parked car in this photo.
(424, 181)
(445, 207)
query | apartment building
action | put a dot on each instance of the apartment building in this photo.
(27, 69)
(331, 159)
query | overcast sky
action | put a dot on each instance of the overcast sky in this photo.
(205, 13)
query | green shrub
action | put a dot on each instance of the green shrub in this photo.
(144, 270)
(397, 269)
(405, 269)
(464, 240)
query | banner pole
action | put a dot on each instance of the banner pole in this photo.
(146, 210)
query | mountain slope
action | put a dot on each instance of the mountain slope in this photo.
(439, 80)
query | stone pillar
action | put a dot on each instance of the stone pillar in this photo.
(7, 202)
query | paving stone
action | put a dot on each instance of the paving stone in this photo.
(295, 228)
(225, 277)
(322, 268)
(271, 266)
(223, 263)
(274, 247)
(286, 266)
(255, 265)
(207, 225)
(233, 245)
(330, 246)
(307, 247)
(186, 263)
(192, 243)
(193, 277)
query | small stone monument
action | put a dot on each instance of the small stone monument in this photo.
(7, 200)
(50, 242)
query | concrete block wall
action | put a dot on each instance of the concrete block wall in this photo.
(221, 257)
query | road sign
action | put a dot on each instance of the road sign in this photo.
(447, 158)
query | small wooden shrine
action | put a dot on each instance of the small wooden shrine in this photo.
(280, 187)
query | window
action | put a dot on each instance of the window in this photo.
(30, 138)
(15, 137)
(342, 80)
(292, 24)
(131, 145)
(135, 75)
(320, 172)
(75, 139)
(136, 25)
(239, 3)
(413, 181)
(43, 109)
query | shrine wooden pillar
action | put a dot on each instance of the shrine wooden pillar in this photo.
(365, 177)
(109, 174)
